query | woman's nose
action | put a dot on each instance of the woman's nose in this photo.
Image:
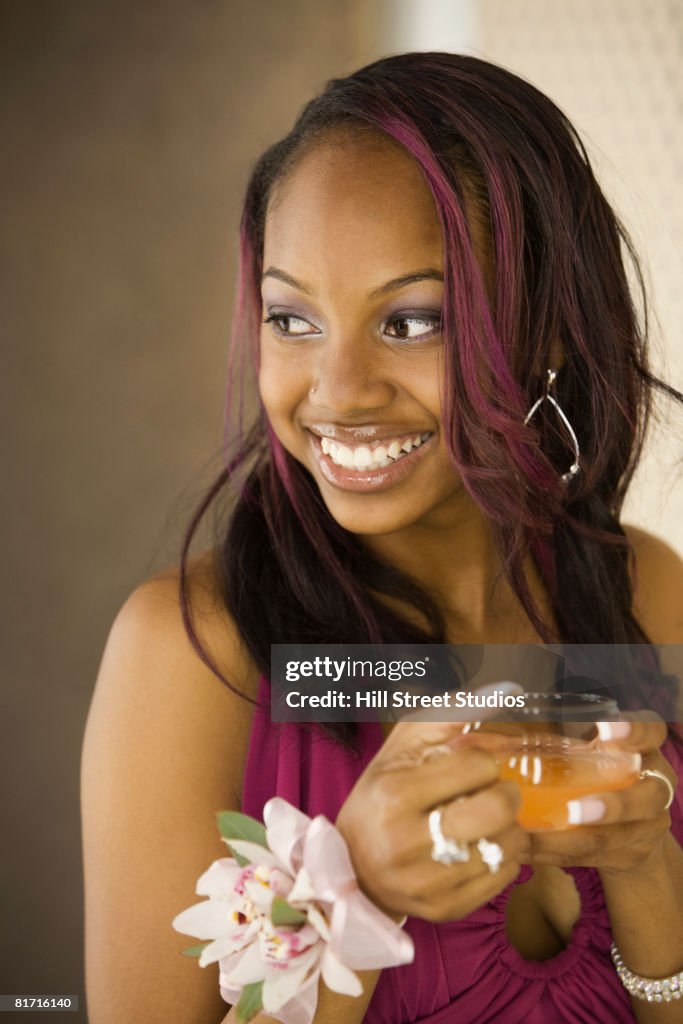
(349, 378)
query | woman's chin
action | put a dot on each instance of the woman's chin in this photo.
(365, 517)
(374, 516)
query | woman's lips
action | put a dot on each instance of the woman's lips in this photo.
(369, 479)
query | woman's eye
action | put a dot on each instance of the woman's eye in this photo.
(413, 328)
(289, 326)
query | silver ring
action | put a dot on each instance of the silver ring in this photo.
(444, 849)
(437, 750)
(654, 773)
(491, 854)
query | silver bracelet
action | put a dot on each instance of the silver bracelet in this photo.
(653, 990)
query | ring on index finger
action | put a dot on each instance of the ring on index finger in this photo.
(445, 850)
(491, 854)
(654, 773)
(437, 750)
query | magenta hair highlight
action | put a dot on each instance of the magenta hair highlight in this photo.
(469, 324)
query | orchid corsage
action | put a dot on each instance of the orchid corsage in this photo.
(284, 911)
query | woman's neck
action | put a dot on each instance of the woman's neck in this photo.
(457, 563)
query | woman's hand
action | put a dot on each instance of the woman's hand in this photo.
(623, 830)
(385, 823)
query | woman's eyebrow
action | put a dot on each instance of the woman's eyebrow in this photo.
(280, 275)
(428, 274)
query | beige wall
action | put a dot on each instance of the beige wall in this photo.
(127, 129)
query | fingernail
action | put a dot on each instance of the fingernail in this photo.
(586, 811)
(613, 730)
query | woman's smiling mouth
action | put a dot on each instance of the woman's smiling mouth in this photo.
(372, 464)
(376, 456)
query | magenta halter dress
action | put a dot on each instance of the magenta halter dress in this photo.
(464, 972)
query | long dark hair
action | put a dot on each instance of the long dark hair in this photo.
(286, 570)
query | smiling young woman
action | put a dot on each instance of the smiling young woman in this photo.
(351, 368)
(424, 246)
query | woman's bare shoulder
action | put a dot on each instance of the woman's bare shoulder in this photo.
(151, 626)
(658, 585)
(164, 749)
(152, 674)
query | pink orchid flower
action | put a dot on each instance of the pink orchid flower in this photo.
(307, 863)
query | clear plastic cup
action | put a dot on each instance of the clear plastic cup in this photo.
(552, 749)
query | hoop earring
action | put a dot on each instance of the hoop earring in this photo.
(548, 396)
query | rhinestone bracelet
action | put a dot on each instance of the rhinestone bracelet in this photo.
(654, 990)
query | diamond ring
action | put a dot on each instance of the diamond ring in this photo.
(491, 854)
(444, 849)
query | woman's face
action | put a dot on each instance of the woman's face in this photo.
(351, 351)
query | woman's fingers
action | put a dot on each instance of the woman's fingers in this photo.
(449, 891)
(413, 739)
(415, 733)
(485, 813)
(635, 734)
(617, 846)
(421, 768)
(440, 779)
(479, 890)
(645, 800)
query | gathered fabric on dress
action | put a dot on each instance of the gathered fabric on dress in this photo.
(466, 971)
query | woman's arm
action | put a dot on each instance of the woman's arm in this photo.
(332, 1008)
(631, 844)
(646, 913)
(164, 749)
(641, 869)
(646, 909)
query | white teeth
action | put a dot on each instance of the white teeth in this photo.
(344, 456)
(365, 457)
(362, 457)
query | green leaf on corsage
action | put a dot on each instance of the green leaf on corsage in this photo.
(283, 914)
(250, 1002)
(195, 950)
(233, 825)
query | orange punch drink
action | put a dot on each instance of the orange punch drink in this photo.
(549, 775)
(552, 750)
